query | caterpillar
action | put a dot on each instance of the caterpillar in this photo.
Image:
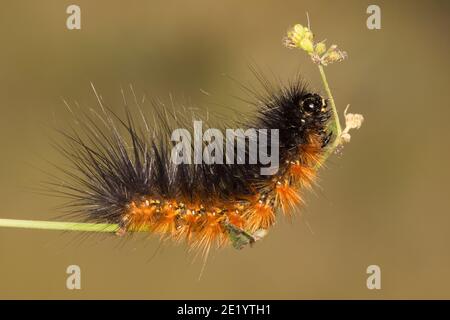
(122, 172)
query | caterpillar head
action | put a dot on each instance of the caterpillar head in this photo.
(313, 104)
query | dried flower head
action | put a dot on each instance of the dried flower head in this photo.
(352, 121)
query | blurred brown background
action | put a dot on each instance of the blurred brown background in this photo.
(384, 202)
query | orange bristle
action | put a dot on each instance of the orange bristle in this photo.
(141, 216)
(189, 225)
(302, 174)
(236, 219)
(211, 232)
(287, 197)
(166, 224)
(311, 152)
(260, 216)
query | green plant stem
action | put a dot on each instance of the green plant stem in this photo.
(335, 125)
(56, 225)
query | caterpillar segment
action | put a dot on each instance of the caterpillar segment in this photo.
(203, 226)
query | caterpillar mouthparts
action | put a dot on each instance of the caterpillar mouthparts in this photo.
(122, 172)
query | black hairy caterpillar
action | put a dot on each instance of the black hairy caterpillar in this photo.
(123, 173)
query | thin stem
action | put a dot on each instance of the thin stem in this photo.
(56, 225)
(335, 125)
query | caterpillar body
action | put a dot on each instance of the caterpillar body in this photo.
(128, 179)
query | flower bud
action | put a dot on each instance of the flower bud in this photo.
(298, 28)
(320, 48)
(307, 45)
(308, 34)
